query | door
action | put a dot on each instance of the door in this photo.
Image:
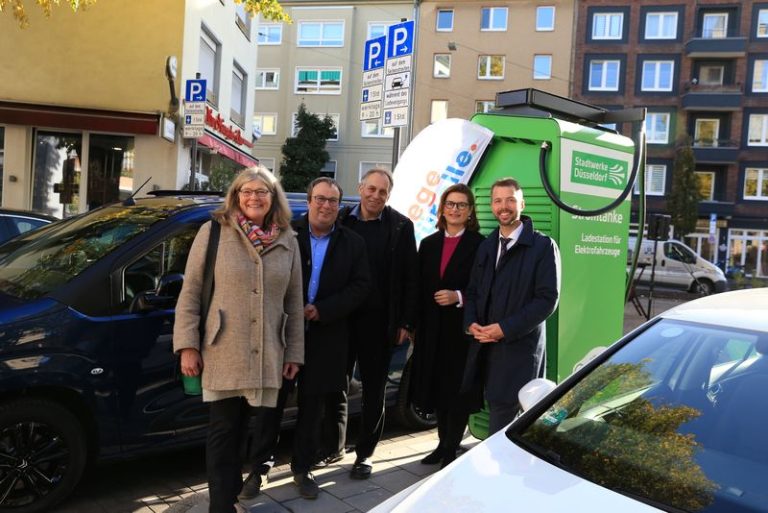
(110, 169)
(707, 133)
(56, 175)
(678, 262)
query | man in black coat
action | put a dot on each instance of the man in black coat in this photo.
(513, 289)
(386, 317)
(335, 283)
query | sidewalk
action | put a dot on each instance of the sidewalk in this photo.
(395, 467)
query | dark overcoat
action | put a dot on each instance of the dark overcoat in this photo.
(344, 284)
(520, 295)
(440, 351)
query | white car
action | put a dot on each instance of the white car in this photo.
(673, 417)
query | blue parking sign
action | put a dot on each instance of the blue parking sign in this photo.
(195, 90)
(400, 39)
(374, 53)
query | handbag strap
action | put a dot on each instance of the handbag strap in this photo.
(210, 262)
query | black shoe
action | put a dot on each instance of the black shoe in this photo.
(361, 469)
(308, 488)
(448, 457)
(434, 457)
(251, 487)
(329, 460)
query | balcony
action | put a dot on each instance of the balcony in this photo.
(721, 208)
(712, 97)
(720, 47)
(717, 151)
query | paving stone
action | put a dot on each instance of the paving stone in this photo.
(396, 481)
(325, 503)
(366, 501)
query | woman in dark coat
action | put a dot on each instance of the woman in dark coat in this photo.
(440, 350)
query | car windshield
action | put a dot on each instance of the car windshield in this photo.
(49, 258)
(675, 418)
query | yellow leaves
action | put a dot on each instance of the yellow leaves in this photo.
(270, 9)
(19, 12)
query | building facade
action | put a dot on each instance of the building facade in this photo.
(701, 69)
(87, 111)
(469, 50)
(318, 60)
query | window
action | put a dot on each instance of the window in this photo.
(714, 25)
(756, 183)
(490, 67)
(707, 133)
(711, 74)
(267, 79)
(661, 25)
(373, 128)
(329, 169)
(484, 105)
(238, 98)
(604, 75)
(762, 23)
(657, 128)
(318, 81)
(336, 118)
(268, 163)
(493, 19)
(706, 180)
(542, 67)
(758, 130)
(243, 20)
(657, 75)
(655, 179)
(438, 111)
(265, 123)
(210, 52)
(378, 29)
(365, 165)
(321, 33)
(760, 76)
(444, 20)
(748, 250)
(442, 66)
(607, 25)
(270, 34)
(545, 18)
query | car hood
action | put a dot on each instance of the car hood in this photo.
(13, 309)
(497, 475)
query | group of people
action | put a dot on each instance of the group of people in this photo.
(300, 305)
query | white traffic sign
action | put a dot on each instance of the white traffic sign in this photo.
(395, 117)
(397, 81)
(193, 132)
(371, 94)
(373, 77)
(194, 108)
(194, 119)
(399, 65)
(371, 110)
(396, 98)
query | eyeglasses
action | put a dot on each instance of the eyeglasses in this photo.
(322, 200)
(250, 193)
(462, 205)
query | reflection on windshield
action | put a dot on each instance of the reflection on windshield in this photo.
(659, 419)
(52, 258)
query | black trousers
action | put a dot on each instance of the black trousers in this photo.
(451, 423)
(227, 427)
(371, 351)
(307, 438)
(500, 414)
(264, 440)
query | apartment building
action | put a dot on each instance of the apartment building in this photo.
(318, 60)
(701, 68)
(87, 112)
(468, 50)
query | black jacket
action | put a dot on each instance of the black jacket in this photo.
(440, 350)
(401, 255)
(520, 296)
(344, 283)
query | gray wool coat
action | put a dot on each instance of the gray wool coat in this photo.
(256, 319)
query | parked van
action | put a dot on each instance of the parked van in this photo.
(677, 266)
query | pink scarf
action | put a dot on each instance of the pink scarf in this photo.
(259, 238)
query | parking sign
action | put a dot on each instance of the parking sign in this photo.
(374, 53)
(400, 39)
(195, 90)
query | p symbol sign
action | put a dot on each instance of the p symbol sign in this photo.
(400, 39)
(374, 53)
(195, 91)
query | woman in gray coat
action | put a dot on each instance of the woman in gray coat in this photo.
(254, 330)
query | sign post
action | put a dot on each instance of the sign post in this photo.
(194, 119)
(397, 81)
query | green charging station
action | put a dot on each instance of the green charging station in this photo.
(541, 138)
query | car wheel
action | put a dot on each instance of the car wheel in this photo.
(703, 287)
(407, 414)
(42, 455)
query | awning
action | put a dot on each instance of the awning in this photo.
(48, 116)
(227, 150)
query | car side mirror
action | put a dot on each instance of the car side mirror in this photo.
(533, 391)
(170, 285)
(164, 297)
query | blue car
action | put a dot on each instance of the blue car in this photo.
(87, 369)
